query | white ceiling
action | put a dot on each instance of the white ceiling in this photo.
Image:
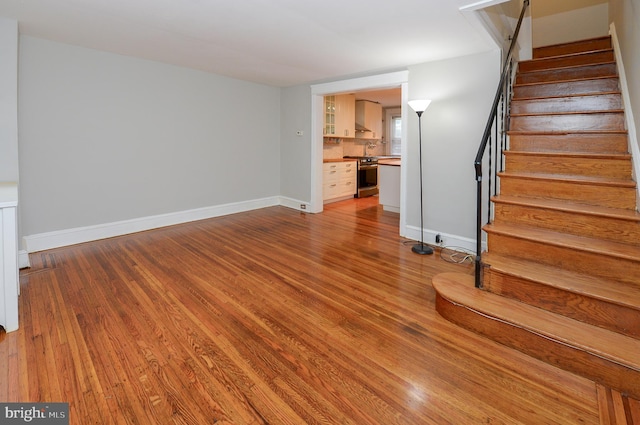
(275, 42)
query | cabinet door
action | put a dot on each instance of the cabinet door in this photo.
(376, 121)
(345, 115)
(329, 116)
(369, 115)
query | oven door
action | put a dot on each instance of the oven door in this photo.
(367, 180)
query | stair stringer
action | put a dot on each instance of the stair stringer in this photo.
(634, 142)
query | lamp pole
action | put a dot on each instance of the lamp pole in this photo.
(419, 106)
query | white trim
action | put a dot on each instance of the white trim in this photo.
(318, 91)
(628, 112)
(295, 204)
(59, 238)
(480, 5)
(450, 240)
(23, 259)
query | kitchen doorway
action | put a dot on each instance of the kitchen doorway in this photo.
(370, 85)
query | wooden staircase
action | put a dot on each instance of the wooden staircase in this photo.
(561, 275)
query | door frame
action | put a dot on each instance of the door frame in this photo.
(375, 82)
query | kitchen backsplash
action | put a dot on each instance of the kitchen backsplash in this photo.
(350, 147)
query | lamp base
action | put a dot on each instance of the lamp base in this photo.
(422, 249)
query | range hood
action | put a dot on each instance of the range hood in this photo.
(361, 129)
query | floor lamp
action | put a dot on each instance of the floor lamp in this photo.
(419, 106)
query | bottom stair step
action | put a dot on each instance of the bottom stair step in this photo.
(609, 304)
(606, 357)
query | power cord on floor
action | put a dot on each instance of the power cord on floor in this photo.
(450, 254)
(457, 255)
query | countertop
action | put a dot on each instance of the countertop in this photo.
(339, 160)
(390, 161)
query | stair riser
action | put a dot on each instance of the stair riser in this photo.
(606, 196)
(557, 353)
(603, 167)
(573, 60)
(601, 85)
(569, 122)
(566, 74)
(579, 143)
(602, 227)
(613, 317)
(571, 48)
(570, 258)
(606, 102)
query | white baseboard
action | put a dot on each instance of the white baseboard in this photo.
(56, 239)
(449, 240)
(23, 260)
(628, 112)
(295, 204)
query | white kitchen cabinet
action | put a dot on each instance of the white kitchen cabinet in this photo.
(369, 116)
(389, 184)
(339, 116)
(339, 180)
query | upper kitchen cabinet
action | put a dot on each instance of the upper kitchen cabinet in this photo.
(339, 115)
(368, 120)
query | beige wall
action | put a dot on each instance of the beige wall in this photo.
(556, 22)
(542, 8)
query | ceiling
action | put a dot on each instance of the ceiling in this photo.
(275, 42)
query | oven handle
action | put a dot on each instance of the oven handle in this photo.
(368, 166)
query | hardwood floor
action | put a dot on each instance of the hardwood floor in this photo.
(267, 317)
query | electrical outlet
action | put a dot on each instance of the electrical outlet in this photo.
(439, 239)
(303, 207)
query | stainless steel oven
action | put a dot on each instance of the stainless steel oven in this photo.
(367, 176)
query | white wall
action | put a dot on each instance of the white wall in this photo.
(8, 100)
(106, 138)
(568, 25)
(452, 128)
(501, 20)
(296, 150)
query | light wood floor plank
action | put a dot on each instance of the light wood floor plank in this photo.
(267, 317)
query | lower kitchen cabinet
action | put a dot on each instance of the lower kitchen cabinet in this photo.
(339, 180)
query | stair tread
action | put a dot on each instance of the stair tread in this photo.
(569, 55)
(568, 95)
(585, 155)
(596, 287)
(459, 289)
(576, 42)
(565, 132)
(594, 180)
(594, 112)
(573, 80)
(618, 213)
(568, 67)
(565, 95)
(582, 243)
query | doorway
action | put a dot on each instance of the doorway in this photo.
(357, 85)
